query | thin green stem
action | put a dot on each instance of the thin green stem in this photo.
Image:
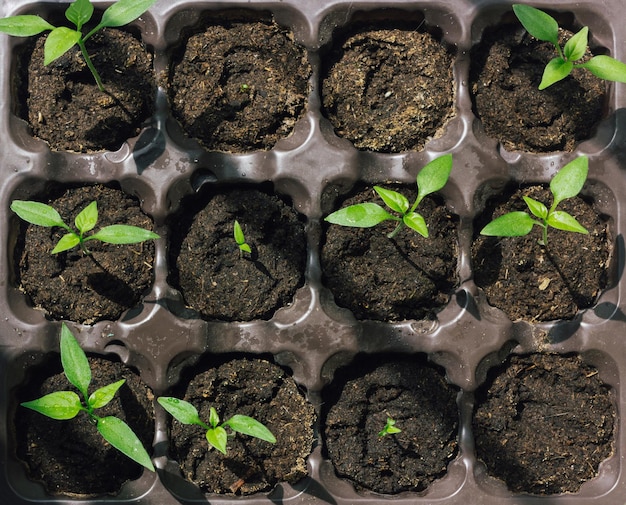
(94, 72)
(395, 232)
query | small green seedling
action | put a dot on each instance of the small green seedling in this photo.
(216, 434)
(65, 405)
(544, 27)
(389, 429)
(241, 239)
(567, 183)
(43, 215)
(61, 39)
(431, 178)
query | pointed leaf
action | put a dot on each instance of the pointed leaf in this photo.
(79, 12)
(513, 224)
(393, 199)
(433, 177)
(568, 181)
(59, 42)
(123, 234)
(536, 207)
(123, 438)
(250, 426)
(238, 234)
(87, 218)
(60, 405)
(66, 242)
(606, 67)
(556, 70)
(123, 12)
(564, 221)
(38, 213)
(539, 24)
(416, 222)
(217, 437)
(361, 215)
(100, 397)
(184, 412)
(214, 418)
(24, 26)
(74, 361)
(576, 46)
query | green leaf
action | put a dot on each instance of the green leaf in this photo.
(24, 26)
(361, 215)
(60, 405)
(513, 224)
(238, 234)
(250, 426)
(563, 221)
(66, 242)
(100, 397)
(38, 213)
(74, 361)
(123, 12)
(181, 410)
(569, 180)
(389, 429)
(576, 46)
(214, 418)
(539, 24)
(393, 199)
(123, 234)
(217, 437)
(79, 12)
(60, 41)
(87, 218)
(123, 438)
(416, 222)
(536, 207)
(556, 70)
(606, 67)
(433, 177)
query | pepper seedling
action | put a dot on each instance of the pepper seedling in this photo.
(61, 39)
(566, 183)
(544, 27)
(40, 214)
(431, 178)
(65, 405)
(241, 239)
(216, 433)
(389, 429)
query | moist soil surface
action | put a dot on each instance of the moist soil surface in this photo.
(543, 423)
(62, 102)
(407, 277)
(258, 389)
(388, 89)
(363, 396)
(239, 85)
(78, 287)
(219, 281)
(507, 69)
(71, 457)
(529, 281)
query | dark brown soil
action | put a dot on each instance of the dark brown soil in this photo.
(388, 90)
(240, 85)
(63, 104)
(536, 283)
(506, 72)
(215, 278)
(265, 392)
(77, 287)
(417, 397)
(71, 457)
(407, 277)
(543, 423)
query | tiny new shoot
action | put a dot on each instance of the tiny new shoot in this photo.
(389, 429)
(566, 183)
(216, 433)
(241, 239)
(544, 27)
(431, 178)
(65, 405)
(61, 39)
(40, 214)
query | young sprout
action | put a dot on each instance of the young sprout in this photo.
(216, 434)
(544, 27)
(64, 405)
(241, 239)
(431, 178)
(43, 215)
(389, 429)
(61, 39)
(567, 183)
